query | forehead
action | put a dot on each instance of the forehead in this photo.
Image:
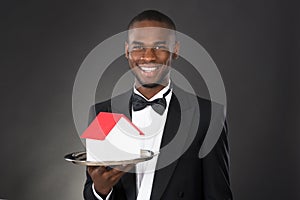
(150, 31)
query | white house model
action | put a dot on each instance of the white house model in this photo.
(112, 137)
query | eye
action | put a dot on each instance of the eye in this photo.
(160, 47)
(137, 47)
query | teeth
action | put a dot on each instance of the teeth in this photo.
(148, 69)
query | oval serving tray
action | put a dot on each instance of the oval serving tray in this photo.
(79, 158)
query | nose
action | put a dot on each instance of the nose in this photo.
(149, 55)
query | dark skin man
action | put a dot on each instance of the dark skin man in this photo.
(149, 52)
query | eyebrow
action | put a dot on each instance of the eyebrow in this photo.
(136, 42)
(155, 43)
(160, 42)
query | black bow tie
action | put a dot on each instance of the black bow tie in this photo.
(158, 105)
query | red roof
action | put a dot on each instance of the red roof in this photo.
(102, 125)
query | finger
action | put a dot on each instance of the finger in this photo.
(108, 168)
(96, 169)
(116, 177)
(90, 169)
(113, 172)
(118, 171)
(101, 170)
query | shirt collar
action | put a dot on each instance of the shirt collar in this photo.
(157, 95)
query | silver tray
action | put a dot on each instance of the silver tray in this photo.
(79, 158)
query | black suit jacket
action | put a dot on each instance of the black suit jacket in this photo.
(189, 177)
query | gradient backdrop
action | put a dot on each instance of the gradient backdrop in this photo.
(255, 44)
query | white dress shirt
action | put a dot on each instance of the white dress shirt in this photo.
(152, 125)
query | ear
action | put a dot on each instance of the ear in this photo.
(175, 54)
(126, 50)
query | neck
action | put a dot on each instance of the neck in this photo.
(150, 92)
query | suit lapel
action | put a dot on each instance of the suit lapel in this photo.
(129, 185)
(180, 108)
(121, 104)
(177, 112)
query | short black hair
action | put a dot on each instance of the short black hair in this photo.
(153, 15)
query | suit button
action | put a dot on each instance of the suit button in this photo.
(180, 194)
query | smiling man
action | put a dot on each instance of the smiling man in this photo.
(158, 107)
(150, 49)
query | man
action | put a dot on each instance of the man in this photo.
(159, 107)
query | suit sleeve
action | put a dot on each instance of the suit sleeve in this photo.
(88, 191)
(216, 181)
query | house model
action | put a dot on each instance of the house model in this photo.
(112, 137)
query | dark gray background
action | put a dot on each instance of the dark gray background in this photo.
(254, 43)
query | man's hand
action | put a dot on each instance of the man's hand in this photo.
(104, 179)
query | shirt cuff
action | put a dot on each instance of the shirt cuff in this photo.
(98, 196)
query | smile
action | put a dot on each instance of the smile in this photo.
(149, 68)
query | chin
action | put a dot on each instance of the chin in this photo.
(148, 83)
